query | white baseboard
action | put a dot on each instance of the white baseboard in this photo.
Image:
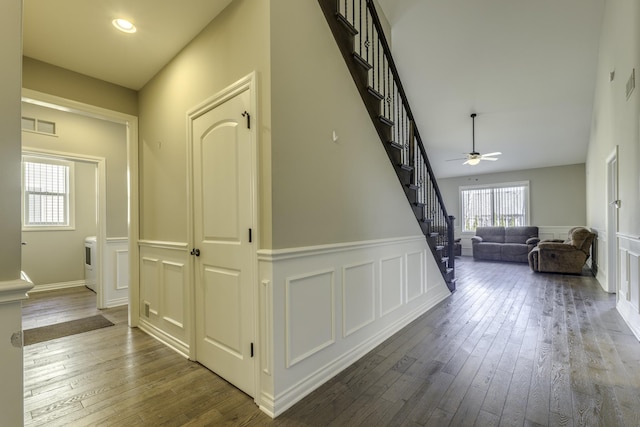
(178, 346)
(329, 305)
(117, 302)
(628, 304)
(56, 286)
(294, 394)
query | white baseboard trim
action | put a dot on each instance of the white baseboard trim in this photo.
(266, 404)
(56, 286)
(178, 346)
(630, 317)
(117, 302)
(297, 392)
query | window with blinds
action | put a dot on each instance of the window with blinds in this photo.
(46, 192)
(504, 204)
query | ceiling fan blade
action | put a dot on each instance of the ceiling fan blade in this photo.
(493, 159)
(466, 163)
(497, 153)
(454, 160)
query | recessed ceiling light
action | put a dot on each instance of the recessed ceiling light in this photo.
(124, 25)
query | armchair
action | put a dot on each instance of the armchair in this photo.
(558, 256)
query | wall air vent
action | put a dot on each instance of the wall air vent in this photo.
(631, 83)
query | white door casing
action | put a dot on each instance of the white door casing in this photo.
(224, 217)
(612, 222)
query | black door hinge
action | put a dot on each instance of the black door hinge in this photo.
(248, 116)
(250, 235)
(251, 349)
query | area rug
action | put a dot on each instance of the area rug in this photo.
(59, 330)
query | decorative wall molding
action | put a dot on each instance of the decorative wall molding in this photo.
(115, 272)
(14, 290)
(275, 255)
(391, 278)
(628, 302)
(358, 296)
(164, 293)
(309, 314)
(332, 304)
(160, 244)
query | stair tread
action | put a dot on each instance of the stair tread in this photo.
(361, 61)
(386, 121)
(348, 25)
(396, 145)
(375, 93)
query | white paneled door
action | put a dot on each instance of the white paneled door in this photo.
(223, 212)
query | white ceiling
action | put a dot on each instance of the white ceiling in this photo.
(527, 68)
(78, 35)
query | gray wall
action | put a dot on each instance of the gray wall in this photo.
(232, 46)
(615, 119)
(557, 195)
(57, 256)
(323, 191)
(47, 78)
(10, 72)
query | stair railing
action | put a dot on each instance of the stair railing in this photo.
(376, 75)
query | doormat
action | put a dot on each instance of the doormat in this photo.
(65, 329)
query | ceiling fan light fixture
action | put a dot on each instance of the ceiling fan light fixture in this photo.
(473, 161)
(124, 25)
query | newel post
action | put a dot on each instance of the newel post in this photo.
(451, 242)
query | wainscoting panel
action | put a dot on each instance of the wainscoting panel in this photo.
(415, 275)
(150, 277)
(115, 272)
(173, 281)
(164, 293)
(310, 309)
(332, 304)
(391, 284)
(358, 297)
(628, 304)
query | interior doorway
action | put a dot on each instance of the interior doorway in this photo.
(62, 195)
(128, 234)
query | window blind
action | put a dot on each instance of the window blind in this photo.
(46, 191)
(501, 205)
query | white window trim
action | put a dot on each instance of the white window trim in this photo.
(71, 190)
(494, 185)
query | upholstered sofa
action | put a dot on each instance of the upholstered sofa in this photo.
(563, 256)
(504, 243)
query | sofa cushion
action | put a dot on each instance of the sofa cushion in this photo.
(490, 251)
(491, 234)
(519, 234)
(514, 252)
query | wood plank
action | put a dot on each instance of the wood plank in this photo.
(509, 347)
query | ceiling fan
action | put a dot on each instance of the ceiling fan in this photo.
(473, 158)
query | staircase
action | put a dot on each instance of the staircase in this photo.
(356, 27)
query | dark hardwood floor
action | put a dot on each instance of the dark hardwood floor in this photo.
(509, 348)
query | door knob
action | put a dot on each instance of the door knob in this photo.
(195, 252)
